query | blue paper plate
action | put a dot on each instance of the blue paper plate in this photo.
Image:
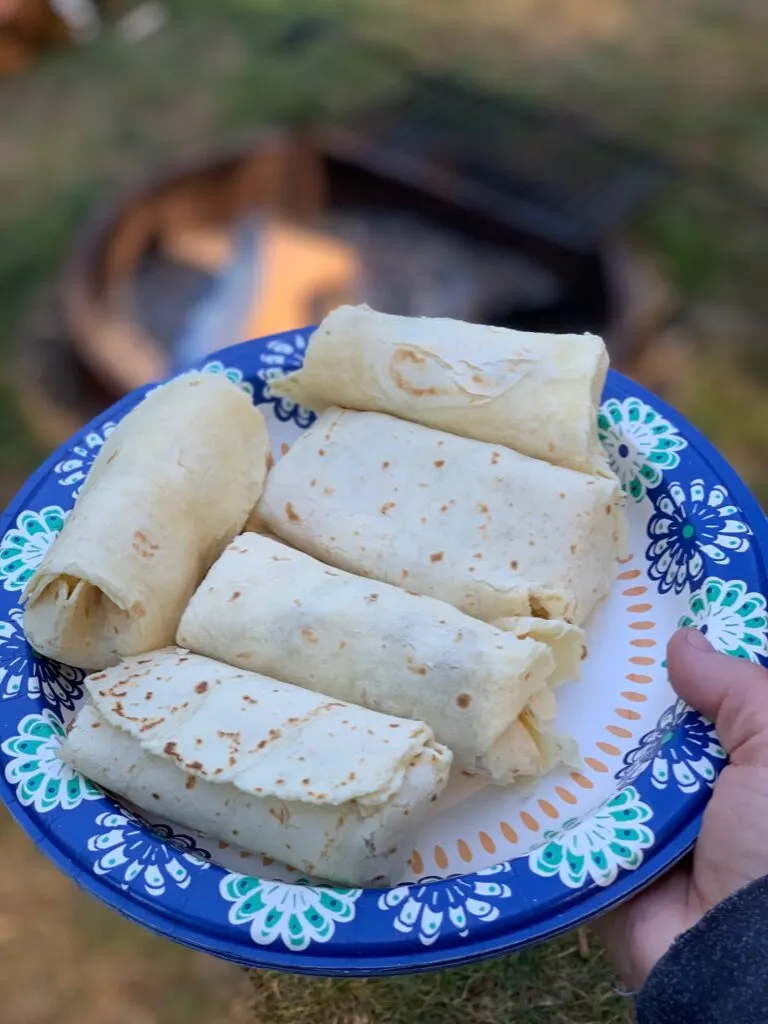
(488, 874)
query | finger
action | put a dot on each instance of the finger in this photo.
(731, 692)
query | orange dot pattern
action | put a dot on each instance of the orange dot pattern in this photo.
(620, 732)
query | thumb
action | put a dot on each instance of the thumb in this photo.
(729, 691)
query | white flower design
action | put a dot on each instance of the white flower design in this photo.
(685, 526)
(151, 856)
(22, 670)
(454, 903)
(613, 838)
(41, 778)
(281, 357)
(75, 467)
(24, 546)
(297, 914)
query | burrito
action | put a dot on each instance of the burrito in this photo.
(536, 393)
(268, 608)
(171, 487)
(490, 531)
(331, 789)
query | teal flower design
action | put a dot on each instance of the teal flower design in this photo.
(231, 373)
(639, 442)
(297, 914)
(734, 620)
(24, 546)
(41, 779)
(611, 839)
(127, 848)
(452, 904)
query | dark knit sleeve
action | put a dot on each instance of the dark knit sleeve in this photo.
(717, 972)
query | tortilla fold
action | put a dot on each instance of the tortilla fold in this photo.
(172, 485)
(536, 393)
(332, 789)
(268, 608)
(490, 531)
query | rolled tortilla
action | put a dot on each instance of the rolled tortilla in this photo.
(332, 789)
(536, 393)
(488, 530)
(268, 608)
(172, 485)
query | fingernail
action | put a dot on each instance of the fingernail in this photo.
(698, 640)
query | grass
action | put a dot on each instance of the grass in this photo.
(689, 78)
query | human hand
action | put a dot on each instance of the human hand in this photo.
(732, 848)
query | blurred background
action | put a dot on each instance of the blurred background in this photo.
(177, 176)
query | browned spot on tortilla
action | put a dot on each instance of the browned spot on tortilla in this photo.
(151, 724)
(279, 782)
(472, 568)
(405, 574)
(94, 725)
(329, 490)
(321, 451)
(291, 512)
(342, 644)
(437, 556)
(583, 652)
(495, 456)
(138, 610)
(439, 463)
(550, 447)
(113, 455)
(148, 695)
(155, 796)
(309, 635)
(231, 760)
(531, 543)
(482, 508)
(573, 549)
(198, 742)
(385, 465)
(170, 750)
(275, 734)
(562, 495)
(313, 483)
(513, 565)
(405, 355)
(195, 766)
(284, 448)
(352, 776)
(191, 782)
(100, 675)
(235, 595)
(607, 510)
(458, 638)
(249, 699)
(443, 508)
(477, 555)
(386, 507)
(463, 701)
(270, 460)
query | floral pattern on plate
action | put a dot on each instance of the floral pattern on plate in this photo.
(596, 848)
(23, 671)
(734, 620)
(682, 750)
(639, 442)
(280, 357)
(231, 373)
(151, 857)
(429, 910)
(40, 777)
(24, 546)
(296, 914)
(689, 524)
(76, 465)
